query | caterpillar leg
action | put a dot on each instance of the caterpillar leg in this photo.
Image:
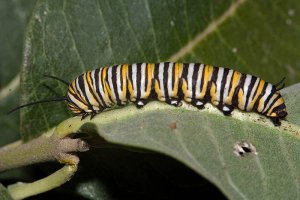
(174, 102)
(93, 114)
(226, 109)
(84, 115)
(140, 103)
(198, 104)
(276, 121)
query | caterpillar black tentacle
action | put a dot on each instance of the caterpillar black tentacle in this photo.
(280, 82)
(56, 78)
(195, 83)
(38, 102)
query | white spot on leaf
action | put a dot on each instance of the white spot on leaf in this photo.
(244, 148)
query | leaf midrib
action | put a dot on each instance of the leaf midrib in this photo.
(213, 26)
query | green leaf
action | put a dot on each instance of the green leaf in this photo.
(4, 195)
(292, 101)
(204, 141)
(14, 16)
(13, 19)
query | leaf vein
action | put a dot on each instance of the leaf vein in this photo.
(207, 31)
(222, 161)
(73, 39)
(106, 30)
(289, 163)
(137, 42)
(153, 30)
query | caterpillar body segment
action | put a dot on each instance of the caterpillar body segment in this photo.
(194, 83)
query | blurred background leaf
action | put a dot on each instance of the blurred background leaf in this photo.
(14, 16)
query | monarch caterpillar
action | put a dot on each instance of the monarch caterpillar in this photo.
(92, 92)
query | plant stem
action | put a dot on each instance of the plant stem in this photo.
(23, 190)
(41, 149)
(48, 147)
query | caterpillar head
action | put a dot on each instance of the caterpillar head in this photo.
(75, 104)
(74, 108)
(79, 108)
(78, 104)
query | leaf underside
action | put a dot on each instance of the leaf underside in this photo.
(204, 141)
